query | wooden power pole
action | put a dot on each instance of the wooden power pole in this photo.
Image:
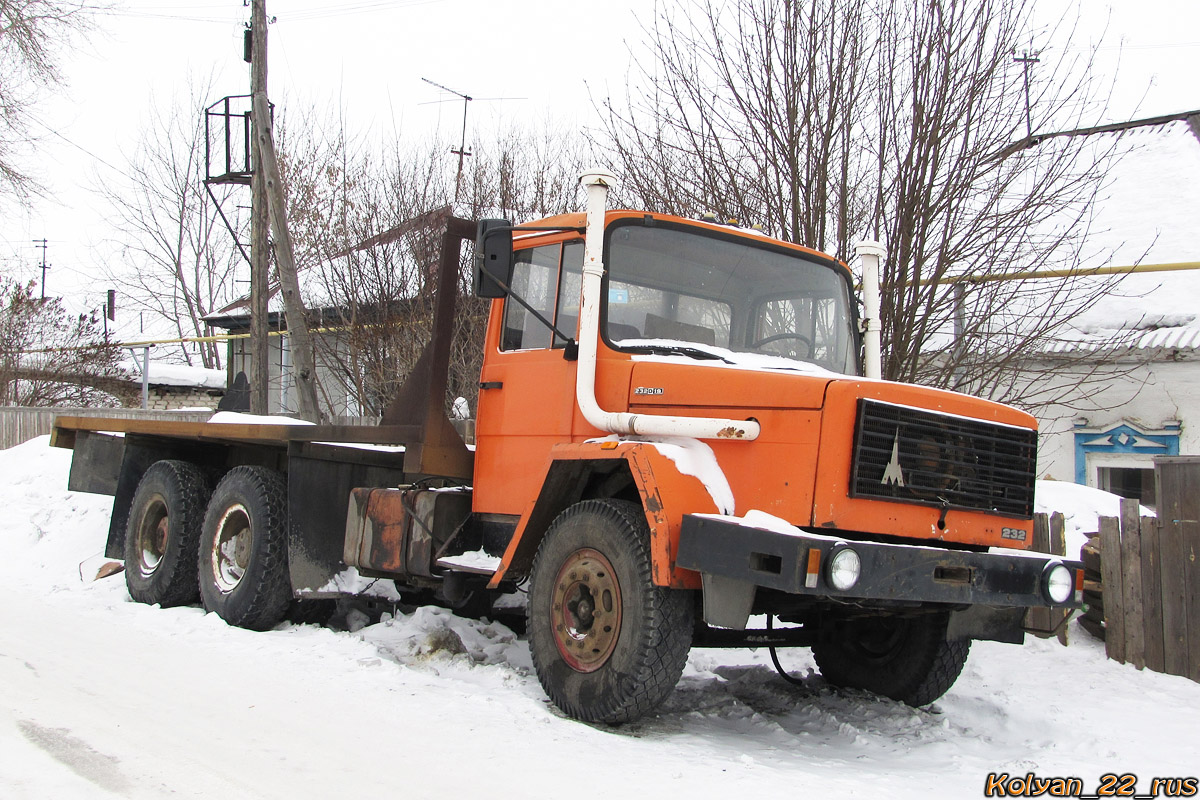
(260, 256)
(270, 209)
(301, 349)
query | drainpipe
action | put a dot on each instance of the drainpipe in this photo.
(618, 422)
(871, 253)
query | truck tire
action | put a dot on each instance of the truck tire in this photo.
(162, 534)
(905, 658)
(608, 645)
(243, 550)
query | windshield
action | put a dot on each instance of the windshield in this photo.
(706, 293)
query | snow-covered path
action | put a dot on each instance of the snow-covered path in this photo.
(101, 697)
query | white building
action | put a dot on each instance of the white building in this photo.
(1130, 403)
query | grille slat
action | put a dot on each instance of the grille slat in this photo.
(942, 460)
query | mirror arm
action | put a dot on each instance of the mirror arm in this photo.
(572, 347)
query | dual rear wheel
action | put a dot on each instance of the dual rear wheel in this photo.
(226, 547)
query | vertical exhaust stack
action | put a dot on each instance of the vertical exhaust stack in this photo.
(597, 183)
(871, 253)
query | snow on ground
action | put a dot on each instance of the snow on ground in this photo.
(1081, 507)
(105, 698)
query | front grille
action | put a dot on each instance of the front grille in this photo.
(917, 456)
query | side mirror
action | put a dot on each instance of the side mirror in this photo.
(493, 258)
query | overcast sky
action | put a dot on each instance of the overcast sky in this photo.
(544, 56)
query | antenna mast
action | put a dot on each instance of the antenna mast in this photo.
(462, 152)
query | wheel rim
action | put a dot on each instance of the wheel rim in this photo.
(152, 535)
(585, 610)
(231, 548)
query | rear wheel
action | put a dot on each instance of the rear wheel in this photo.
(904, 658)
(608, 645)
(243, 550)
(163, 532)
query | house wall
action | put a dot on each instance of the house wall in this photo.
(281, 392)
(165, 398)
(1160, 399)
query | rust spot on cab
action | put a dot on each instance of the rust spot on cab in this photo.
(731, 432)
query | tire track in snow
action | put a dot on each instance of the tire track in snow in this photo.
(78, 755)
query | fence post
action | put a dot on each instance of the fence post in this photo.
(1114, 607)
(1131, 583)
(1152, 598)
(1178, 479)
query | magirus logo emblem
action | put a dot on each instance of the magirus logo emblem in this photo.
(892, 474)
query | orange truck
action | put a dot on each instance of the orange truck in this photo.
(674, 441)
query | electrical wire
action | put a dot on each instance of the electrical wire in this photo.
(775, 659)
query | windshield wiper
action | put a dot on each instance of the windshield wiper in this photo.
(675, 350)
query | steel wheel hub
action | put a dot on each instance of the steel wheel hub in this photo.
(585, 610)
(231, 548)
(152, 536)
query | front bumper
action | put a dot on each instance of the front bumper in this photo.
(730, 555)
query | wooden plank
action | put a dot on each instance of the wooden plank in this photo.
(1152, 594)
(1058, 536)
(1058, 546)
(1173, 594)
(1178, 479)
(1191, 581)
(1038, 619)
(1114, 619)
(1131, 583)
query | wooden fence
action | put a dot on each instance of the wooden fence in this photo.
(1049, 536)
(1151, 575)
(20, 424)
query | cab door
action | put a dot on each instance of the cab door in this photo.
(527, 387)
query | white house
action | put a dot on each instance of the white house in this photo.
(1131, 402)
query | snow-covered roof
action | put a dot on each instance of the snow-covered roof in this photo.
(1150, 214)
(1168, 342)
(162, 374)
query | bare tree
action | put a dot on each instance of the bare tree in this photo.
(173, 257)
(49, 357)
(32, 34)
(831, 120)
(369, 228)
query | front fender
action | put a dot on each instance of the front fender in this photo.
(660, 473)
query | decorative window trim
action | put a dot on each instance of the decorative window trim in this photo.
(1125, 438)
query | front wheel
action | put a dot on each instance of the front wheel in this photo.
(905, 658)
(608, 645)
(243, 549)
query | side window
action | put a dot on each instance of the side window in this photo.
(567, 320)
(535, 277)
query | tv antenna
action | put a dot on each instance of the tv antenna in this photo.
(462, 152)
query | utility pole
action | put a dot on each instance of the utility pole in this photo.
(1027, 59)
(260, 256)
(300, 343)
(42, 243)
(462, 152)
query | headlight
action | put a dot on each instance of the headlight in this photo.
(1059, 583)
(844, 568)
